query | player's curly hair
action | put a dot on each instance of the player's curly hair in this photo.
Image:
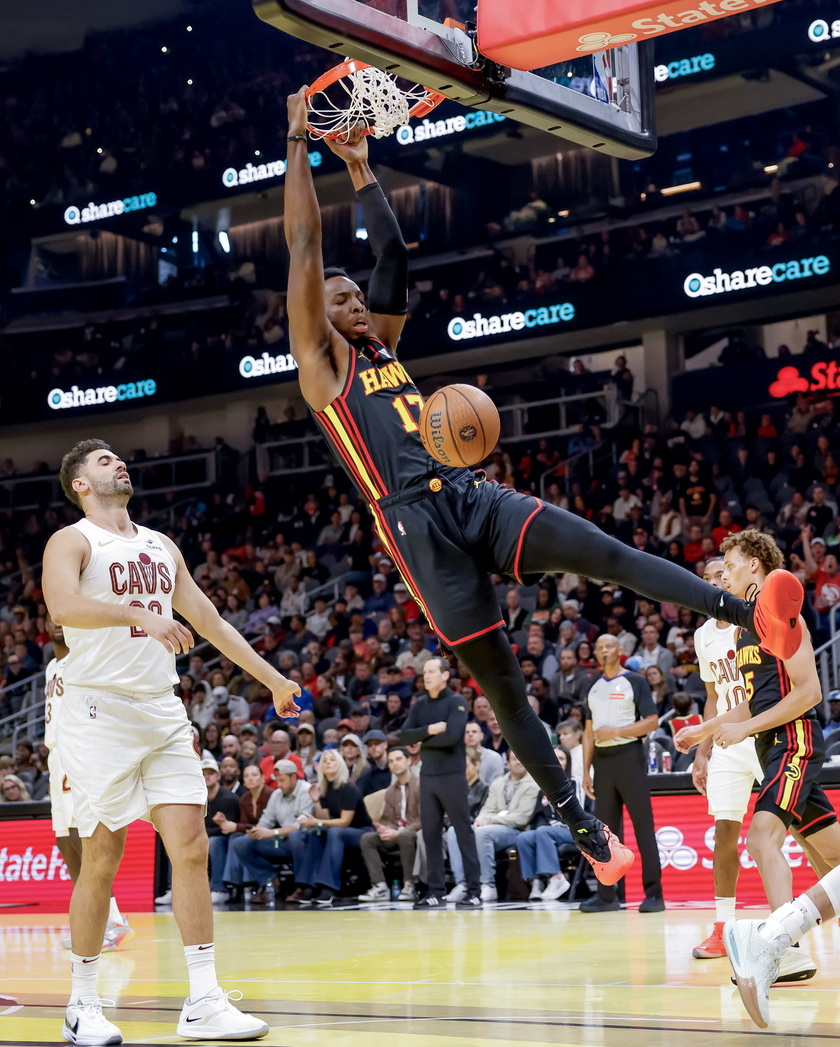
(72, 463)
(755, 544)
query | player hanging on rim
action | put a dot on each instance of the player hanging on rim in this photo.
(446, 528)
(781, 695)
(124, 739)
(117, 931)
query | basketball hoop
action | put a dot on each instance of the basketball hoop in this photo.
(354, 92)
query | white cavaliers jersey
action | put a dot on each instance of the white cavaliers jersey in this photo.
(716, 653)
(132, 572)
(53, 693)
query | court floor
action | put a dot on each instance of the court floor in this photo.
(540, 975)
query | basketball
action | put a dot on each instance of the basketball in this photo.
(459, 425)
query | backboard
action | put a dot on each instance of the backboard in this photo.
(603, 101)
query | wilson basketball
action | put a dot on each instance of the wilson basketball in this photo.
(459, 425)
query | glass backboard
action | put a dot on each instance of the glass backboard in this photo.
(603, 101)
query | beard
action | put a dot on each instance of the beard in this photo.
(112, 490)
(229, 779)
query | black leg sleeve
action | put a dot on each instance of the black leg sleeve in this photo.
(558, 541)
(493, 664)
(431, 821)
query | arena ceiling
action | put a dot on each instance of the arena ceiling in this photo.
(61, 25)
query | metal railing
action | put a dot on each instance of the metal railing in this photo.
(182, 472)
(569, 470)
(828, 661)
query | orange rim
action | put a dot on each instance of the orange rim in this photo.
(421, 108)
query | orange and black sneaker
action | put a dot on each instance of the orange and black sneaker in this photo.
(776, 615)
(712, 947)
(607, 855)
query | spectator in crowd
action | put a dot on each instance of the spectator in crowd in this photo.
(307, 751)
(276, 836)
(396, 829)
(338, 821)
(352, 753)
(570, 738)
(394, 715)
(253, 801)
(539, 862)
(651, 652)
(571, 683)
(494, 739)
(437, 719)
(279, 747)
(833, 722)
(621, 713)
(13, 790)
(492, 764)
(377, 775)
(506, 812)
(219, 801)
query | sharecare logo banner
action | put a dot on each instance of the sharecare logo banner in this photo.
(685, 833)
(530, 36)
(33, 873)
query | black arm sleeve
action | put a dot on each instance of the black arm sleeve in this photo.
(388, 288)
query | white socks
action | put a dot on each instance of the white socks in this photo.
(724, 909)
(83, 970)
(114, 914)
(792, 920)
(201, 968)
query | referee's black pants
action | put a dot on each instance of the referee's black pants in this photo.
(621, 780)
(447, 794)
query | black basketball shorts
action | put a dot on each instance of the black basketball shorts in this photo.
(446, 536)
(791, 756)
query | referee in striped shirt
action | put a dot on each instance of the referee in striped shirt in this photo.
(621, 711)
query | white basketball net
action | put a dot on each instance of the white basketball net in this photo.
(369, 96)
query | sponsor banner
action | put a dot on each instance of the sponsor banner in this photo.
(259, 367)
(33, 873)
(250, 173)
(446, 128)
(686, 837)
(61, 400)
(696, 285)
(96, 212)
(680, 68)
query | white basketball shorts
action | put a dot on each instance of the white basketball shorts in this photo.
(732, 773)
(61, 797)
(124, 756)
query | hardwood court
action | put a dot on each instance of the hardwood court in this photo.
(545, 975)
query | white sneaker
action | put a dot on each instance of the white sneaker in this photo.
(457, 894)
(488, 893)
(408, 892)
(219, 897)
(755, 962)
(164, 899)
(378, 893)
(537, 887)
(116, 934)
(86, 1025)
(796, 965)
(214, 1017)
(557, 887)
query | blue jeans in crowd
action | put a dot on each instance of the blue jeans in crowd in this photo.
(489, 839)
(323, 853)
(218, 857)
(538, 850)
(260, 858)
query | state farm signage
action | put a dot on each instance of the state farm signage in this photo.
(823, 375)
(32, 871)
(538, 35)
(685, 837)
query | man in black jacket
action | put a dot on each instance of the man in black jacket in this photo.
(378, 774)
(437, 719)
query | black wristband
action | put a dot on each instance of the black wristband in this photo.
(296, 138)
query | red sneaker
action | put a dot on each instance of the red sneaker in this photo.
(777, 614)
(712, 947)
(608, 870)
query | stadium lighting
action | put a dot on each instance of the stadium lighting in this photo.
(195, 241)
(189, 28)
(257, 152)
(164, 50)
(189, 83)
(686, 187)
(771, 169)
(224, 242)
(563, 214)
(361, 233)
(32, 202)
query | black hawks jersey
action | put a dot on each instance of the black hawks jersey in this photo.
(765, 678)
(372, 424)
